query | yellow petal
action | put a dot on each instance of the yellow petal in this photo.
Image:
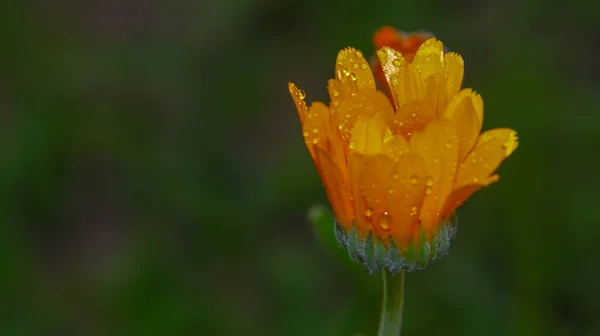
(438, 145)
(396, 147)
(352, 69)
(336, 93)
(369, 135)
(298, 96)
(491, 149)
(408, 188)
(367, 103)
(370, 176)
(458, 196)
(435, 93)
(454, 73)
(404, 80)
(429, 59)
(412, 117)
(336, 187)
(466, 111)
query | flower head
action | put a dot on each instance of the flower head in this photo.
(395, 168)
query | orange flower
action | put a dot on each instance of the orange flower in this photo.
(395, 169)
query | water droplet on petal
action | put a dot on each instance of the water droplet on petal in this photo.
(428, 191)
(429, 182)
(396, 62)
(368, 213)
(315, 141)
(449, 144)
(384, 221)
(301, 94)
(391, 191)
(315, 130)
(364, 66)
(358, 54)
(414, 179)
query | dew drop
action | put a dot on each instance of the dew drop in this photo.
(301, 94)
(368, 213)
(449, 144)
(414, 179)
(419, 69)
(391, 191)
(428, 191)
(315, 141)
(315, 130)
(336, 93)
(358, 54)
(384, 221)
(396, 62)
(395, 81)
(429, 182)
(355, 66)
(305, 134)
(346, 72)
(353, 75)
(381, 54)
(364, 66)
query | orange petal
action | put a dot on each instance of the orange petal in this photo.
(466, 111)
(429, 59)
(491, 149)
(298, 96)
(458, 196)
(438, 145)
(404, 80)
(336, 187)
(371, 176)
(454, 70)
(407, 188)
(317, 127)
(353, 70)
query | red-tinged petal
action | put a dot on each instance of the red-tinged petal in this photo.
(491, 149)
(466, 111)
(335, 186)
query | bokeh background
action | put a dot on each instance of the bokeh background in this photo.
(154, 180)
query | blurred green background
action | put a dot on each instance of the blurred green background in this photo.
(154, 180)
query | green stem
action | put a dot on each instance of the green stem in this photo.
(393, 300)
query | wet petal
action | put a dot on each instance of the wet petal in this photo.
(435, 93)
(371, 176)
(454, 73)
(438, 145)
(396, 147)
(317, 127)
(491, 149)
(407, 187)
(412, 117)
(353, 69)
(369, 135)
(335, 186)
(404, 80)
(466, 111)
(458, 196)
(367, 103)
(298, 96)
(429, 59)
